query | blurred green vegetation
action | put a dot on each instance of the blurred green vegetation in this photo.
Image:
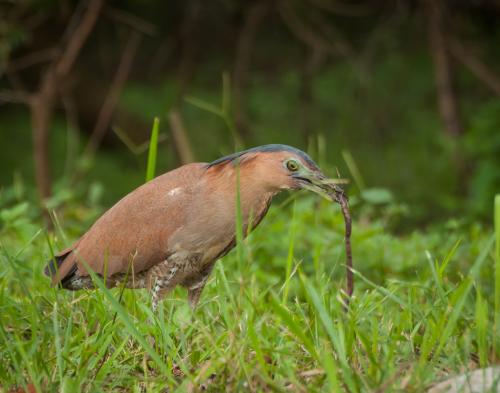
(375, 98)
(423, 308)
(427, 295)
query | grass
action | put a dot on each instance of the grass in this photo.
(423, 309)
(153, 149)
(425, 306)
(496, 329)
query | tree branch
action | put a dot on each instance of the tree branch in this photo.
(188, 47)
(42, 102)
(303, 32)
(253, 18)
(344, 8)
(78, 37)
(476, 66)
(14, 96)
(447, 103)
(107, 109)
(40, 56)
(131, 20)
(312, 62)
(180, 137)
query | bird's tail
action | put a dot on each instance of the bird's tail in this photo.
(57, 272)
(54, 264)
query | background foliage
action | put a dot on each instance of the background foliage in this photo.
(400, 96)
(358, 76)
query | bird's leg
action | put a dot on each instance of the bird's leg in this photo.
(164, 277)
(195, 289)
(194, 292)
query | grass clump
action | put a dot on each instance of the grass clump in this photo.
(424, 308)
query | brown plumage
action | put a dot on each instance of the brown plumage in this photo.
(172, 229)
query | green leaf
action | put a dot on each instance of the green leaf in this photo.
(153, 149)
(377, 196)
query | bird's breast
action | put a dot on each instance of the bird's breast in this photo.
(210, 226)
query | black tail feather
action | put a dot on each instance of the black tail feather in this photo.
(54, 264)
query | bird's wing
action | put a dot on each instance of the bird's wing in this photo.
(134, 233)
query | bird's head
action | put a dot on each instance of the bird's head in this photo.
(279, 167)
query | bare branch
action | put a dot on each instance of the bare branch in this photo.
(78, 37)
(188, 47)
(15, 81)
(72, 128)
(121, 76)
(42, 102)
(131, 20)
(447, 102)
(14, 97)
(40, 56)
(180, 137)
(476, 66)
(343, 8)
(303, 32)
(339, 44)
(135, 148)
(254, 16)
(312, 62)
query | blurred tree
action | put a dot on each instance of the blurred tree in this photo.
(358, 72)
(443, 71)
(254, 14)
(52, 77)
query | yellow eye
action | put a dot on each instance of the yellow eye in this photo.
(292, 166)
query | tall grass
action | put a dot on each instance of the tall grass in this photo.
(153, 150)
(496, 326)
(223, 111)
(270, 318)
(403, 332)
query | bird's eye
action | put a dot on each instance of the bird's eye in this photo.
(292, 166)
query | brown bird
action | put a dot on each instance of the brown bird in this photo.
(173, 229)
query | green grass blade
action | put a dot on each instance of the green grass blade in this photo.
(335, 332)
(224, 290)
(21, 250)
(353, 168)
(239, 221)
(206, 106)
(129, 325)
(289, 258)
(460, 296)
(448, 258)
(226, 94)
(57, 342)
(224, 112)
(8, 348)
(337, 342)
(134, 148)
(331, 372)
(482, 328)
(293, 326)
(496, 328)
(435, 275)
(153, 150)
(382, 290)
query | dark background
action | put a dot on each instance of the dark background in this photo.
(400, 96)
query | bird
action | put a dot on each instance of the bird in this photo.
(171, 230)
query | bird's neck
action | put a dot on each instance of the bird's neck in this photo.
(253, 194)
(244, 185)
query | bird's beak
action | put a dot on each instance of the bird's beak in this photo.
(317, 182)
